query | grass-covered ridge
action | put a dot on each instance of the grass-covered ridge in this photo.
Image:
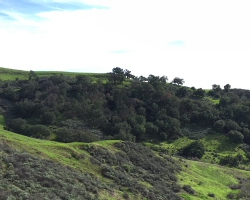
(211, 181)
(96, 118)
(14, 74)
(119, 170)
(100, 160)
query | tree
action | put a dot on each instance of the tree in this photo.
(199, 93)
(128, 74)
(231, 125)
(163, 79)
(227, 87)
(246, 133)
(38, 131)
(182, 92)
(143, 79)
(235, 136)
(231, 161)
(19, 125)
(219, 125)
(32, 75)
(178, 81)
(195, 149)
(153, 79)
(216, 87)
(117, 75)
(151, 129)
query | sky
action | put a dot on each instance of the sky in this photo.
(205, 42)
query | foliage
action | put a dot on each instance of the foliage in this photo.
(178, 81)
(207, 179)
(227, 87)
(231, 125)
(231, 161)
(199, 93)
(194, 149)
(71, 135)
(188, 189)
(235, 136)
(219, 125)
(24, 176)
(119, 105)
(202, 177)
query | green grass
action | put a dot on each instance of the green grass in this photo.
(13, 74)
(203, 177)
(207, 178)
(64, 153)
(213, 100)
(216, 145)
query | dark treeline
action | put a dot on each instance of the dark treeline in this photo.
(122, 106)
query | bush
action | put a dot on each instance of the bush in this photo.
(219, 125)
(71, 135)
(188, 189)
(28, 177)
(38, 131)
(19, 125)
(235, 136)
(211, 194)
(195, 149)
(231, 125)
(231, 161)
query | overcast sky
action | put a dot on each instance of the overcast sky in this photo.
(205, 42)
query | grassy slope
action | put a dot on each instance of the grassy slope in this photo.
(203, 177)
(65, 154)
(216, 145)
(207, 178)
(13, 74)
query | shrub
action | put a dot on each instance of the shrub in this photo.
(19, 125)
(231, 125)
(195, 149)
(71, 135)
(235, 136)
(211, 194)
(188, 189)
(219, 125)
(38, 131)
(231, 161)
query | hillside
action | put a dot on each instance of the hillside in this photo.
(33, 168)
(129, 137)
(40, 169)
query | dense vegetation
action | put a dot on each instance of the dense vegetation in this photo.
(69, 107)
(121, 106)
(134, 171)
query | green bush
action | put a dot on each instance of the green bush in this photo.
(235, 136)
(71, 135)
(219, 125)
(188, 189)
(231, 161)
(195, 149)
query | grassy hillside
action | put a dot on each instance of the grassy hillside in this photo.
(166, 117)
(13, 74)
(217, 146)
(205, 179)
(118, 170)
